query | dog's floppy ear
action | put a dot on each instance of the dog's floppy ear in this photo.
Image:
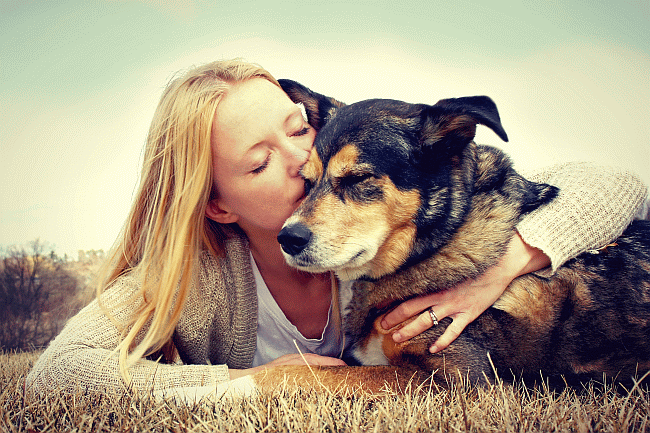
(319, 108)
(481, 108)
(450, 124)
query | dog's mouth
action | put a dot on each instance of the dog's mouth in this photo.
(306, 261)
(346, 268)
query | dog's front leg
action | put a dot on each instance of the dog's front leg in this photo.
(340, 380)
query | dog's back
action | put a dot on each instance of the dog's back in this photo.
(602, 311)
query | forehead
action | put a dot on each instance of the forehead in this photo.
(377, 132)
(247, 108)
(345, 162)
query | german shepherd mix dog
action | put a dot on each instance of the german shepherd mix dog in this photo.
(402, 200)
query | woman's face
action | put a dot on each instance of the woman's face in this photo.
(259, 143)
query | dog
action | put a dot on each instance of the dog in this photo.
(403, 201)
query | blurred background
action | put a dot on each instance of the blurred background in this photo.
(80, 79)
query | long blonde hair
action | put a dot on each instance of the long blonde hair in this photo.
(167, 229)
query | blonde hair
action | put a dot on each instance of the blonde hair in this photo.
(167, 229)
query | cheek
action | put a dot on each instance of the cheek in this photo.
(273, 185)
(225, 184)
(239, 195)
(275, 196)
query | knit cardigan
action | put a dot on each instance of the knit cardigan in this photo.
(218, 323)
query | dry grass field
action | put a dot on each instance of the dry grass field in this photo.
(497, 408)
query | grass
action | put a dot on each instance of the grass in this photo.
(496, 408)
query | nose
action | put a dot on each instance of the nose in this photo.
(294, 238)
(296, 156)
(298, 159)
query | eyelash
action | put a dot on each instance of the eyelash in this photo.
(265, 164)
(262, 167)
(303, 131)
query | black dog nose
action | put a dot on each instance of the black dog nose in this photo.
(294, 238)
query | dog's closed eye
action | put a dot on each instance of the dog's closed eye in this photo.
(358, 187)
(354, 179)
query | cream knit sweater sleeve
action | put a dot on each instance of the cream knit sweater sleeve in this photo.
(216, 328)
(594, 206)
(82, 356)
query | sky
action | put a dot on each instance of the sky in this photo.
(80, 79)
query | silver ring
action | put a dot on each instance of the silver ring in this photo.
(433, 316)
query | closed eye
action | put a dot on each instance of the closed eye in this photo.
(301, 132)
(354, 179)
(259, 169)
(358, 187)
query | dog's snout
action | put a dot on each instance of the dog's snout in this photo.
(294, 238)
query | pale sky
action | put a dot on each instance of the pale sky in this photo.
(79, 81)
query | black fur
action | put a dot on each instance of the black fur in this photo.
(592, 318)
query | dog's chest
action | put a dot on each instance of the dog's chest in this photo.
(370, 351)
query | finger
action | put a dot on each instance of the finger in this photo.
(406, 310)
(451, 333)
(419, 325)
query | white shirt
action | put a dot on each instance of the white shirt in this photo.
(277, 336)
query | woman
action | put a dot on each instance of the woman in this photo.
(198, 276)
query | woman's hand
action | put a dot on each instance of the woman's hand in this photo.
(290, 359)
(468, 300)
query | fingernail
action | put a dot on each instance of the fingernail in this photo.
(433, 349)
(384, 324)
(397, 337)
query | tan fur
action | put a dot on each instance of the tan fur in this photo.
(391, 350)
(344, 162)
(343, 381)
(313, 168)
(464, 125)
(454, 262)
(400, 208)
(530, 300)
(645, 292)
(390, 219)
(361, 224)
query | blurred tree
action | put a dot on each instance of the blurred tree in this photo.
(35, 289)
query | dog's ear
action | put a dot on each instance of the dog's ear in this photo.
(480, 108)
(319, 108)
(450, 125)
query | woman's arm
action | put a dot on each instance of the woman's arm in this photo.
(468, 300)
(593, 208)
(82, 356)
